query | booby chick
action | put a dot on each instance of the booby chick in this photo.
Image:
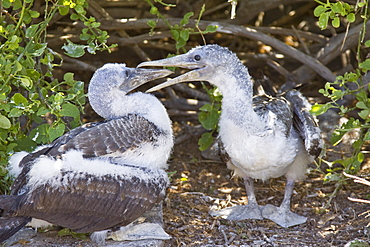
(264, 137)
(101, 175)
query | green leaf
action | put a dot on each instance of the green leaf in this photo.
(74, 50)
(206, 107)
(367, 136)
(74, 17)
(10, 147)
(180, 43)
(209, 120)
(64, 232)
(26, 81)
(152, 23)
(362, 105)
(185, 20)
(56, 131)
(4, 122)
(39, 49)
(17, 66)
(154, 10)
(364, 114)
(31, 30)
(184, 34)
(42, 111)
(210, 29)
(15, 112)
(63, 10)
(319, 10)
(365, 64)
(367, 43)
(337, 7)
(34, 14)
(80, 10)
(40, 134)
(85, 36)
(6, 4)
(335, 22)
(175, 34)
(19, 99)
(351, 17)
(323, 20)
(25, 144)
(205, 141)
(318, 109)
(70, 110)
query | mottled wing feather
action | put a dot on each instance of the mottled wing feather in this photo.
(51, 149)
(275, 112)
(304, 123)
(87, 203)
(95, 139)
(118, 135)
(9, 226)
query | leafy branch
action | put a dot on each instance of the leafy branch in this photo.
(350, 84)
(35, 107)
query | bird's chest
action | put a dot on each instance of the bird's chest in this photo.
(256, 153)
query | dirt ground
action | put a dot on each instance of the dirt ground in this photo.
(197, 184)
(200, 184)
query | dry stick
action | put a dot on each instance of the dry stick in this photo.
(332, 50)
(248, 10)
(361, 181)
(298, 12)
(251, 33)
(139, 38)
(286, 31)
(100, 13)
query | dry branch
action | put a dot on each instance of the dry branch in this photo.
(237, 30)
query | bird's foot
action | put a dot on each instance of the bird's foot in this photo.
(139, 232)
(240, 212)
(282, 216)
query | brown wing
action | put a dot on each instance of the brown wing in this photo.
(87, 203)
(117, 135)
(304, 123)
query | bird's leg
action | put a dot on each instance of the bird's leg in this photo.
(282, 215)
(242, 212)
(249, 187)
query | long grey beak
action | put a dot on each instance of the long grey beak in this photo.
(190, 76)
(141, 76)
(182, 61)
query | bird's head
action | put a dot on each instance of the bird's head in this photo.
(113, 81)
(205, 62)
(125, 79)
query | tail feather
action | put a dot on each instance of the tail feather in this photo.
(9, 225)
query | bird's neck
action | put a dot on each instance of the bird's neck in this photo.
(106, 102)
(236, 87)
(237, 91)
(113, 104)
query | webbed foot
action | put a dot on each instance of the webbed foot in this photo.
(240, 212)
(282, 216)
(139, 232)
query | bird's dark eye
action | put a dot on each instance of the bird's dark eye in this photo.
(196, 57)
(127, 73)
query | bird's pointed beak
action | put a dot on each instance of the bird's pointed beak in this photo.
(189, 76)
(141, 76)
(182, 61)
